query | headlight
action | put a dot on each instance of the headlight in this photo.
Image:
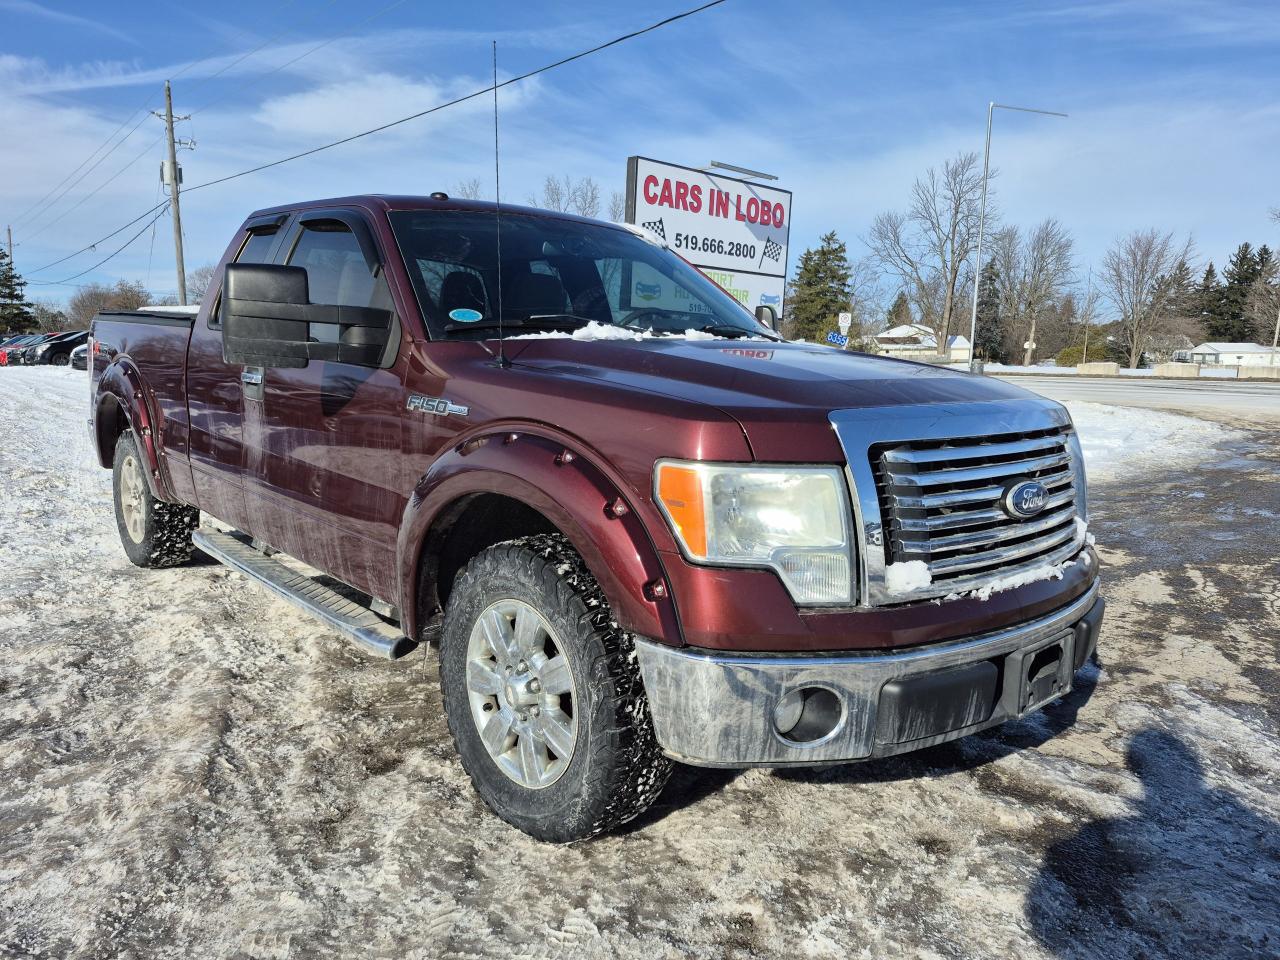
(794, 520)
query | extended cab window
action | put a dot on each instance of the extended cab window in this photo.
(337, 272)
(256, 248)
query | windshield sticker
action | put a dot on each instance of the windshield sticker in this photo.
(465, 315)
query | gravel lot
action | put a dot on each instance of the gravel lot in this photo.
(190, 768)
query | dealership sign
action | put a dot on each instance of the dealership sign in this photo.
(734, 230)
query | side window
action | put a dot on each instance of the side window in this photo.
(337, 273)
(255, 249)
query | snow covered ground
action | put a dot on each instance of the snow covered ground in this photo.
(191, 768)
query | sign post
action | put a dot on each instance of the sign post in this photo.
(735, 231)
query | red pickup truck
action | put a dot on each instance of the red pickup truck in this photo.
(640, 525)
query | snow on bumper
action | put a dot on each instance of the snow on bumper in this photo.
(727, 711)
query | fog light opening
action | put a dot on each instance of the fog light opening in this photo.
(807, 714)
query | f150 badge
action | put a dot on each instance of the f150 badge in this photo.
(437, 405)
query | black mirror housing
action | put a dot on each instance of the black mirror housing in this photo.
(267, 317)
(768, 316)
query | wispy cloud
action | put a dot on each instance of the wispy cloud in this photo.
(31, 9)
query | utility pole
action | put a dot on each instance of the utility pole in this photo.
(9, 232)
(173, 194)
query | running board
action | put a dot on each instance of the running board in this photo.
(349, 618)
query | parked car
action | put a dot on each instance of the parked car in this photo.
(80, 357)
(638, 534)
(56, 351)
(11, 352)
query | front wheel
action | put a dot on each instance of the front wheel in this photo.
(543, 694)
(154, 533)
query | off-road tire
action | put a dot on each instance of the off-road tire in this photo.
(617, 769)
(166, 528)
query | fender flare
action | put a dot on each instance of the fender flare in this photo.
(564, 482)
(121, 383)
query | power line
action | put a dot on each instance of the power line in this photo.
(254, 79)
(96, 190)
(22, 216)
(394, 123)
(463, 99)
(110, 256)
(44, 207)
(94, 244)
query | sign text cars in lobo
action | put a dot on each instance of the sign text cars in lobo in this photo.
(735, 231)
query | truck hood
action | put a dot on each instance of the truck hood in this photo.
(779, 392)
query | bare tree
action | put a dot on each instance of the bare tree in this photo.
(93, 298)
(566, 195)
(1035, 270)
(468, 189)
(48, 316)
(198, 281)
(927, 248)
(1263, 303)
(617, 206)
(1139, 278)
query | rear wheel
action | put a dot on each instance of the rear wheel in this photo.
(153, 533)
(60, 359)
(543, 694)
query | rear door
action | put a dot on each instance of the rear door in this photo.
(215, 391)
(325, 476)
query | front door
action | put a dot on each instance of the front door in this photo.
(324, 475)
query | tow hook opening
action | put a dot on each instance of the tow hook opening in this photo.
(807, 714)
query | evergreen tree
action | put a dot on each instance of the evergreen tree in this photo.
(1233, 323)
(15, 311)
(990, 333)
(1208, 304)
(820, 291)
(900, 311)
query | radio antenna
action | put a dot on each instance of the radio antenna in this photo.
(497, 209)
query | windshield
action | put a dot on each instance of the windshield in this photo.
(556, 275)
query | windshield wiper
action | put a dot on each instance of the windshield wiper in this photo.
(726, 330)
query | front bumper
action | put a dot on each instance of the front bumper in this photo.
(719, 710)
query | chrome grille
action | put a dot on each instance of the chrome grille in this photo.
(940, 502)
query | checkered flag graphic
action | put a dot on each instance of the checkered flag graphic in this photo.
(772, 251)
(656, 226)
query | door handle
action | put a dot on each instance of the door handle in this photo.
(252, 378)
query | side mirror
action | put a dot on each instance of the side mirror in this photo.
(768, 316)
(267, 316)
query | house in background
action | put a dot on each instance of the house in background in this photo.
(1235, 355)
(913, 341)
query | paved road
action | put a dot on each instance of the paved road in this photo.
(1256, 401)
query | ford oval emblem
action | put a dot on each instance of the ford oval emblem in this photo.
(1024, 499)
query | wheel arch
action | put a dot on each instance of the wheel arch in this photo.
(121, 404)
(512, 483)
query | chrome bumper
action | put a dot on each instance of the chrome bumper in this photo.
(718, 710)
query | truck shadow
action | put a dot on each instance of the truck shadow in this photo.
(1192, 872)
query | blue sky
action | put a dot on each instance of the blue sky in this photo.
(1175, 109)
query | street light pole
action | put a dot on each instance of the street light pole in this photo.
(992, 107)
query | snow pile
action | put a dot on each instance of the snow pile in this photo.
(608, 331)
(907, 576)
(1122, 441)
